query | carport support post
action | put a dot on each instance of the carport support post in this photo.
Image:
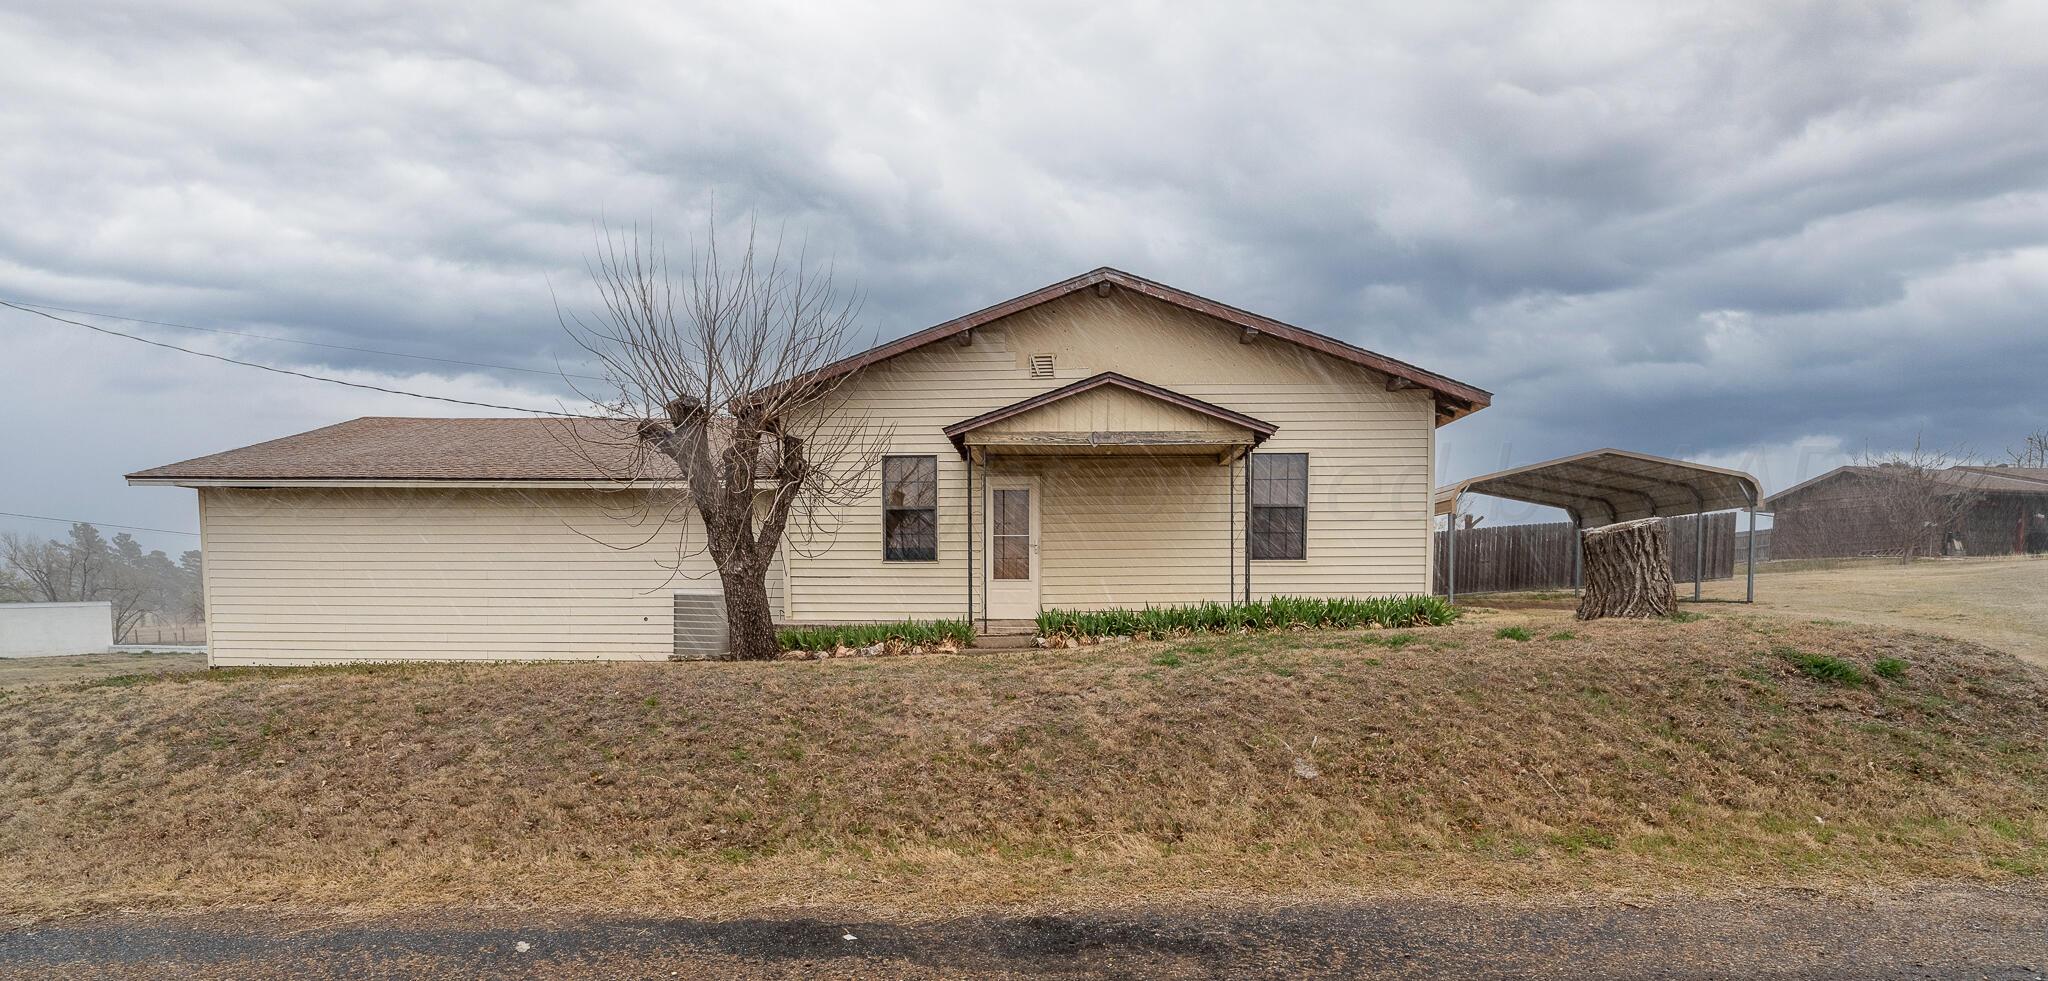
(1578, 570)
(1451, 555)
(1699, 551)
(1750, 563)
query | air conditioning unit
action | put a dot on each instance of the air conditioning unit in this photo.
(701, 630)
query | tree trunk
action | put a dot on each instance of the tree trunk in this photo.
(750, 624)
(1628, 571)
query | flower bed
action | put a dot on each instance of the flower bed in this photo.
(875, 639)
(1063, 627)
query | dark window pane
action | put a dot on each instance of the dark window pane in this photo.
(1013, 557)
(910, 535)
(1013, 512)
(1278, 528)
(1280, 479)
(1279, 533)
(910, 501)
(910, 481)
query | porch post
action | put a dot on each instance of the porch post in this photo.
(1230, 488)
(1247, 526)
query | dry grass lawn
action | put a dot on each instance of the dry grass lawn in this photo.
(1620, 756)
(2001, 603)
(23, 672)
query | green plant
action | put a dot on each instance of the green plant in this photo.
(1822, 667)
(1564, 635)
(1166, 659)
(1512, 633)
(1889, 668)
(960, 632)
(1277, 613)
(1687, 616)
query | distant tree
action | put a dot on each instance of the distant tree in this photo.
(86, 567)
(1915, 498)
(715, 370)
(2032, 451)
(192, 603)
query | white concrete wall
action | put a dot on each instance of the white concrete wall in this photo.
(55, 629)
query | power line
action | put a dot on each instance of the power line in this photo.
(283, 371)
(97, 524)
(294, 340)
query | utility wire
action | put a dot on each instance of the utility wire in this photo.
(97, 524)
(284, 371)
(294, 340)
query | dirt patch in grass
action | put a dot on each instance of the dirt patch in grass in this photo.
(1629, 756)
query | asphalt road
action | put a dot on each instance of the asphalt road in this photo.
(1958, 933)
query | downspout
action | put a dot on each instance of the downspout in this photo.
(970, 538)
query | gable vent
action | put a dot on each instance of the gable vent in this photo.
(701, 631)
(1041, 366)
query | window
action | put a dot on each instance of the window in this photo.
(910, 508)
(1278, 528)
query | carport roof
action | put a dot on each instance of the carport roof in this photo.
(1614, 485)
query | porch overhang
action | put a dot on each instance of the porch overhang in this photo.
(1109, 413)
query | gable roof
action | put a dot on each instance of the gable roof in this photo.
(1259, 429)
(387, 449)
(1976, 480)
(1454, 398)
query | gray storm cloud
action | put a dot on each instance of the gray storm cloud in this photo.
(1738, 231)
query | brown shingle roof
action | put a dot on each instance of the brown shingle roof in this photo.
(386, 448)
(1454, 398)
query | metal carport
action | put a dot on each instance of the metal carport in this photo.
(1614, 485)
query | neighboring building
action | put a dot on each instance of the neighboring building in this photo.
(56, 629)
(1108, 423)
(1845, 512)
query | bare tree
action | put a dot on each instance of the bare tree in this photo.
(88, 568)
(718, 405)
(2032, 451)
(1917, 497)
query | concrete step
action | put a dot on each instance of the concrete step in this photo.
(1005, 641)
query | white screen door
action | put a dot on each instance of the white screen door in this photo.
(1012, 548)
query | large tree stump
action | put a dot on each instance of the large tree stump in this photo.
(1628, 571)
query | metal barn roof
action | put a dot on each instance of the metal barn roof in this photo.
(1605, 486)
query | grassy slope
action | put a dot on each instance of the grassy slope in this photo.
(1633, 756)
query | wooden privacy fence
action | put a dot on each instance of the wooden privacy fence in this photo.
(1506, 558)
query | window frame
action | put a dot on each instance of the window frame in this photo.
(1251, 508)
(888, 510)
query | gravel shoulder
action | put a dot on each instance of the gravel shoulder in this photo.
(1924, 932)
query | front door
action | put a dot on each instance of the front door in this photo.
(1012, 548)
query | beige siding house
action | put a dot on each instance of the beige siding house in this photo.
(1104, 441)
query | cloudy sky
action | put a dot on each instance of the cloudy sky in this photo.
(1763, 235)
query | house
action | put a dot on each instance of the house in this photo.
(1126, 443)
(1852, 511)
